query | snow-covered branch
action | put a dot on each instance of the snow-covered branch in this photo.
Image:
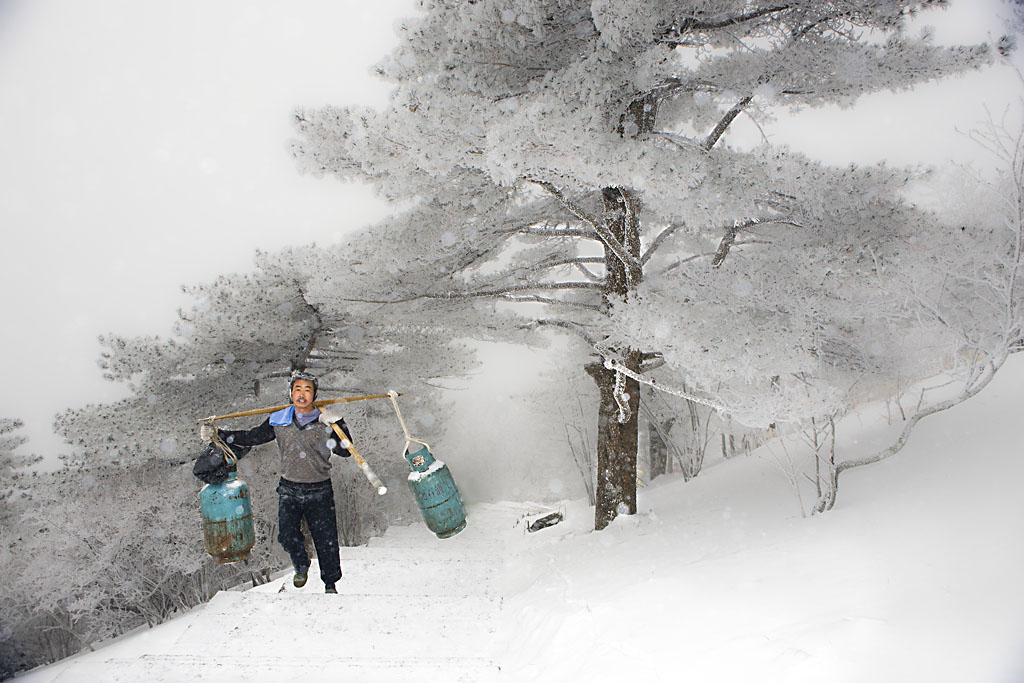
(599, 227)
(483, 293)
(729, 117)
(573, 327)
(675, 33)
(974, 386)
(729, 239)
(658, 241)
(535, 299)
(578, 262)
(536, 231)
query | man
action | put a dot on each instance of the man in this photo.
(306, 441)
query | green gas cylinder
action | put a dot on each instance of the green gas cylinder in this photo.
(227, 520)
(433, 487)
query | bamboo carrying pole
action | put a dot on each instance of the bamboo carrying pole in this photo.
(371, 476)
(264, 411)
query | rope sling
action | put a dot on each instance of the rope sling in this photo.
(229, 455)
(405, 430)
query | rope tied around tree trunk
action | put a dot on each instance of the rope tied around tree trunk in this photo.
(621, 369)
(621, 397)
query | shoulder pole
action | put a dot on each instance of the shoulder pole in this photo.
(371, 476)
(264, 411)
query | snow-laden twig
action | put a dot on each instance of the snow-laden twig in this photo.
(483, 293)
(659, 240)
(575, 328)
(720, 129)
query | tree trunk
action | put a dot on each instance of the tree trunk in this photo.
(617, 442)
(617, 445)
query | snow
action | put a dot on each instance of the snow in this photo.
(913, 576)
(419, 476)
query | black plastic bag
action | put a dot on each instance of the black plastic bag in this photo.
(211, 467)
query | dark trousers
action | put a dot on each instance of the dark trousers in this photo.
(315, 503)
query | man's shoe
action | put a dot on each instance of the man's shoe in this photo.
(331, 589)
(300, 578)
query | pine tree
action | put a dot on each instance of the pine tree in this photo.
(575, 154)
(234, 350)
(13, 468)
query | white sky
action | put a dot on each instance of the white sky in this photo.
(143, 145)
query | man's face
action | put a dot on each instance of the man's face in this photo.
(302, 395)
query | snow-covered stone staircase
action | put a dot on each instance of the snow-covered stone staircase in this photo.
(410, 607)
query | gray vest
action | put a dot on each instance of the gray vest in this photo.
(305, 456)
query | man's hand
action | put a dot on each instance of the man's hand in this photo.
(206, 432)
(329, 417)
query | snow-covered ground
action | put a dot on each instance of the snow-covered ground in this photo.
(915, 576)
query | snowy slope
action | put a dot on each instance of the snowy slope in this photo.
(914, 576)
(409, 605)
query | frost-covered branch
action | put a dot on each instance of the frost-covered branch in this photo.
(687, 259)
(599, 227)
(587, 273)
(533, 299)
(501, 291)
(674, 35)
(971, 389)
(573, 327)
(976, 302)
(726, 244)
(535, 231)
(729, 240)
(482, 293)
(679, 141)
(578, 262)
(658, 241)
(729, 117)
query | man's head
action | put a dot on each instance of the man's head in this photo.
(303, 387)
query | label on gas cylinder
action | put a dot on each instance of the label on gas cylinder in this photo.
(430, 493)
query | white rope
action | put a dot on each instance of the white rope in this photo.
(613, 364)
(393, 395)
(621, 397)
